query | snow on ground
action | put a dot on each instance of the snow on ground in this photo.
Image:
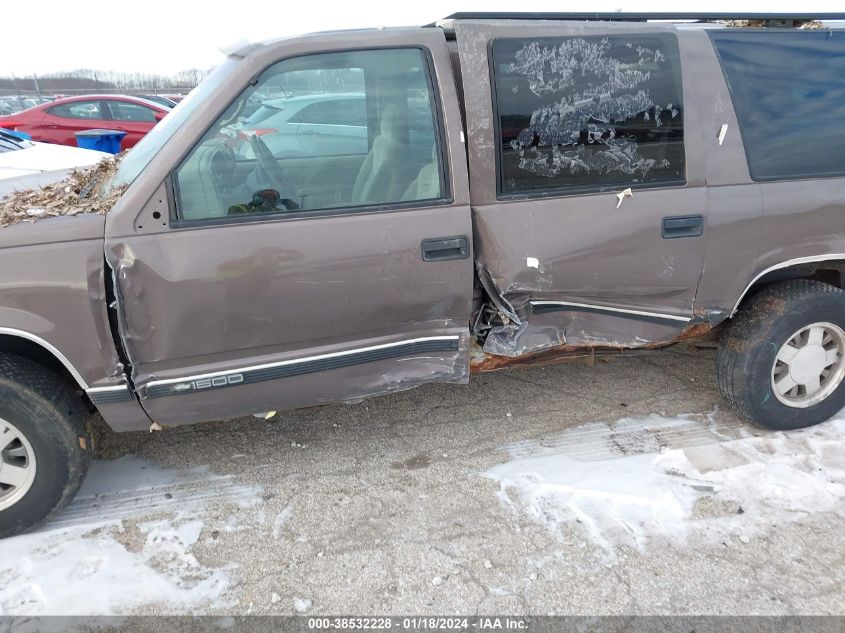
(129, 541)
(680, 479)
(87, 562)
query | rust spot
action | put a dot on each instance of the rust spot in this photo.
(694, 334)
(695, 330)
(554, 356)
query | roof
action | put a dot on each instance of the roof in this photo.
(620, 16)
(88, 97)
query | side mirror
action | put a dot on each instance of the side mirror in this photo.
(159, 116)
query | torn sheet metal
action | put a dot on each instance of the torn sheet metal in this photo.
(502, 325)
(541, 331)
(563, 337)
(527, 337)
(505, 309)
(509, 325)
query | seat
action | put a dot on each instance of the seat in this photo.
(383, 175)
(426, 186)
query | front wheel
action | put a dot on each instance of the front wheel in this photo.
(45, 447)
(781, 362)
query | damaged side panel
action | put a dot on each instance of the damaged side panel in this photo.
(52, 279)
(581, 173)
(224, 316)
(229, 320)
(292, 381)
(596, 277)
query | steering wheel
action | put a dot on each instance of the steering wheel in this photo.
(269, 166)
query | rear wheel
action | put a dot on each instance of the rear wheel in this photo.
(17, 465)
(781, 362)
(45, 446)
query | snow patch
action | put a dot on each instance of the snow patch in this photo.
(301, 605)
(651, 491)
(80, 571)
(89, 562)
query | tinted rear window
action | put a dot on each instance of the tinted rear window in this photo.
(588, 113)
(788, 88)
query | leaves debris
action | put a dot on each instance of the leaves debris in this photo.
(79, 192)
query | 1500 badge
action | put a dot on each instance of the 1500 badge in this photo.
(208, 383)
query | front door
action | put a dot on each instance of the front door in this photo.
(283, 281)
(589, 206)
(133, 118)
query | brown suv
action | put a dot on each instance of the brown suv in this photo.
(493, 192)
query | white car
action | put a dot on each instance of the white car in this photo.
(27, 164)
(326, 124)
(312, 125)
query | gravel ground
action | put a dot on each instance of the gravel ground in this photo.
(379, 507)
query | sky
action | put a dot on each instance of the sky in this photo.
(166, 37)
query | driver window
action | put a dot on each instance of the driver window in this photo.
(320, 132)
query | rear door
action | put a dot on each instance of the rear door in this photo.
(588, 197)
(63, 121)
(240, 292)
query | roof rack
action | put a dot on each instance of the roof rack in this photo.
(779, 18)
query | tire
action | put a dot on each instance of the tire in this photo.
(52, 442)
(752, 362)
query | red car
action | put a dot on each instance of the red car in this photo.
(59, 120)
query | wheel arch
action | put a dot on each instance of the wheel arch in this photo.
(828, 268)
(36, 349)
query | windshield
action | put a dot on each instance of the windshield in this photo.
(140, 156)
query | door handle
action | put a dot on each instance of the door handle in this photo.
(682, 226)
(437, 249)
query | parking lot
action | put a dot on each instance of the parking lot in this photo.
(395, 506)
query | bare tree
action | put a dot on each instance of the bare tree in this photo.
(85, 80)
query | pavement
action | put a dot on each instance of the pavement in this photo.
(381, 507)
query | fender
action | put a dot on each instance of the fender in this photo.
(51, 349)
(785, 264)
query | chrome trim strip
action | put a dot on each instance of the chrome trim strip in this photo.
(296, 361)
(786, 264)
(50, 348)
(590, 306)
(106, 389)
(110, 395)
